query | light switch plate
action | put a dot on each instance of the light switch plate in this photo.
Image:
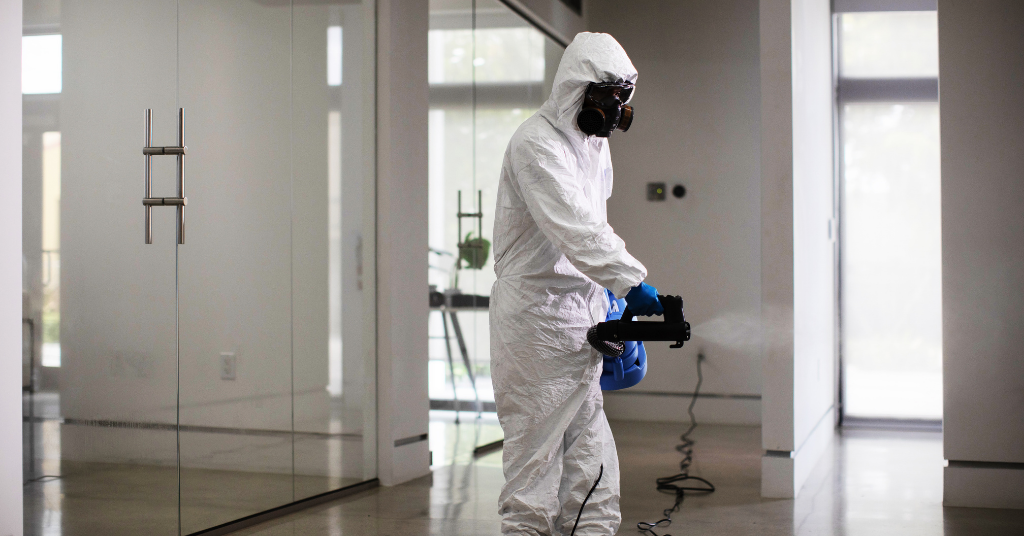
(228, 366)
(655, 191)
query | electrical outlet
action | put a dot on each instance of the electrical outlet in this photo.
(227, 366)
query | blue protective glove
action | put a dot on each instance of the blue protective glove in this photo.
(642, 300)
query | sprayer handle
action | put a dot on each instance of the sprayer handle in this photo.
(672, 305)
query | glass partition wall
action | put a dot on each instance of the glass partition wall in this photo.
(489, 70)
(227, 367)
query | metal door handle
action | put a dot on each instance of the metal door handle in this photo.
(179, 151)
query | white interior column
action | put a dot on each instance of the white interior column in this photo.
(981, 72)
(10, 269)
(402, 306)
(797, 246)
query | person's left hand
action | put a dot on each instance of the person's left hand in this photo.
(642, 300)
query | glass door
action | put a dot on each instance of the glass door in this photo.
(226, 368)
(333, 198)
(274, 404)
(234, 82)
(101, 416)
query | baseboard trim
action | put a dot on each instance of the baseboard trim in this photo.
(190, 428)
(865, 423)
(671, 407)
(290, 508)
(983, 484)
(783, 473)
(473, 406)
(628, 392)
(986, 465)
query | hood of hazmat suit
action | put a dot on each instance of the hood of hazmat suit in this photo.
(554, 254)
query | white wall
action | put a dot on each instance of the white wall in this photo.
(10, 269)
(402, 308)
(734, 101)
(981, 73)
(697, 113)
(797, 249)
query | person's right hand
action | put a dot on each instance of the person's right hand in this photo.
(642, 300)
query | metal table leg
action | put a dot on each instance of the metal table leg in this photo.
(465, 356)
(451, 363)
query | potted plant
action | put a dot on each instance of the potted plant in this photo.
(474, 251)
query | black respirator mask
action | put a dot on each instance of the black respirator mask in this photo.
(604, 108)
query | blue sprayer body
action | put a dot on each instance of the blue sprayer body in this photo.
(628, 369)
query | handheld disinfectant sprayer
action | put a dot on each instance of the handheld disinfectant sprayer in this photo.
(621, 340)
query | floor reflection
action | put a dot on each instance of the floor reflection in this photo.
(453, 443)
(871, 482)
(84, 477)
(459, 498)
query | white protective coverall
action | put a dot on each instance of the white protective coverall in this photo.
(553, 252)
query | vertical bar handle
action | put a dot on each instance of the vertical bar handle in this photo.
(149, 176)
(181, 176)
(178, 202)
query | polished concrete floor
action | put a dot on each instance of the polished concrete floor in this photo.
(66, 496)
(117, 499)
(872, 483)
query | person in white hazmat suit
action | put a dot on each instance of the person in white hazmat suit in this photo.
(554, 254)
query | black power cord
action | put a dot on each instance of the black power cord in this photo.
(675, 484)
(591, 492)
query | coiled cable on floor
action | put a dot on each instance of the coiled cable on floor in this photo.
(675, 484)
